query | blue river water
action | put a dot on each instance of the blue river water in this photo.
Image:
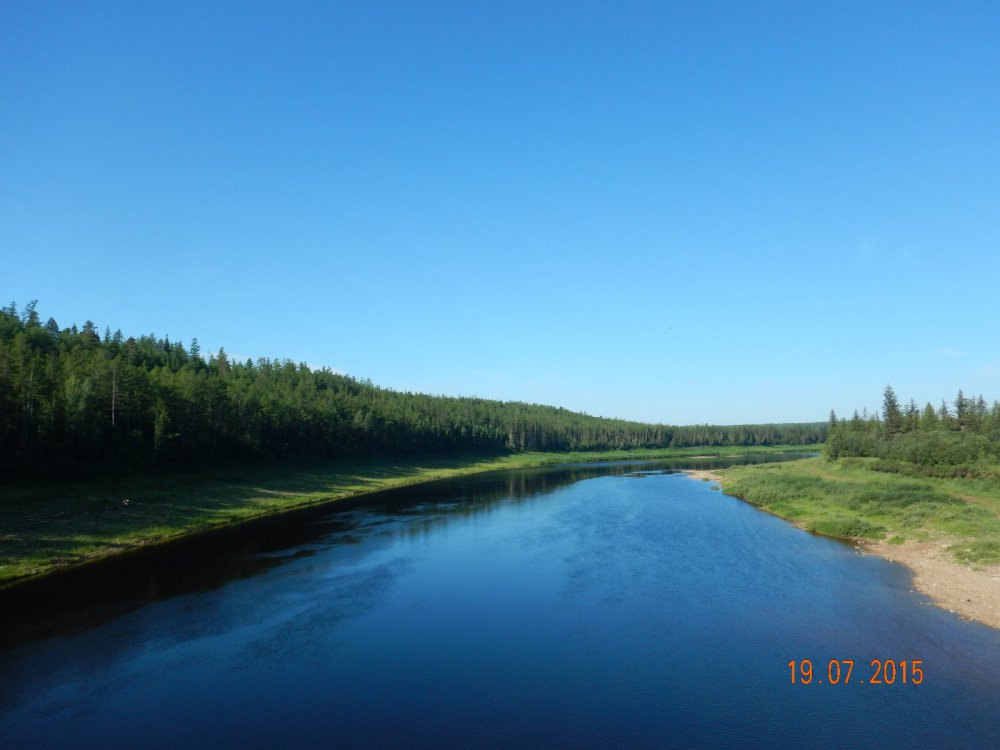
(615, 606)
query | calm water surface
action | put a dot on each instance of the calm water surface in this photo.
(591, 606)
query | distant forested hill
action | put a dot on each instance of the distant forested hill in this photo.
(74, 402)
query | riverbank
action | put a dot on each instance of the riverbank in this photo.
(50, 526)
(971, 593)
(947, 531)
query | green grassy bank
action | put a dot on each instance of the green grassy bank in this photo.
(48, 526)
(847, 498)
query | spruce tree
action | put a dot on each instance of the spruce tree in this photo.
(892, 417)
(929, 419)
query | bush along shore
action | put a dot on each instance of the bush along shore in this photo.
(921, 487)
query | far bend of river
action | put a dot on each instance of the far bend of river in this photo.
(618, 605)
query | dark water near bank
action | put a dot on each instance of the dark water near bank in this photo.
(585, 606)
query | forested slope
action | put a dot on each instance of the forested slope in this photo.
(74, 402)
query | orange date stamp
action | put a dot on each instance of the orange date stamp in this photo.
(839, 672)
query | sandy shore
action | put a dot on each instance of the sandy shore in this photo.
(972, 594)
(703, 475)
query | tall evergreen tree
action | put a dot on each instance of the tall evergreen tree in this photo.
(912, 418)
(944, 415)
(892, 417)
(929, 418)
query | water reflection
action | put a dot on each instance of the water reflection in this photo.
(67, 601)
(638, 609)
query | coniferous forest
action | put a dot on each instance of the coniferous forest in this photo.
(76, 402)
(952, 440)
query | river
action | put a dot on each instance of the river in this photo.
(611, 605)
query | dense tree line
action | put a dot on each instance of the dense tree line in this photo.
(957, 439)
(73, 401)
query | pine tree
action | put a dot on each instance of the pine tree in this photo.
(30, 317)
(944, 416)
(929, 419)
(892, 417)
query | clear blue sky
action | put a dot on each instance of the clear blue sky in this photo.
(675, 212)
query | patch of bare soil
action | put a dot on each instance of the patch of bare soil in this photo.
(703, 475)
